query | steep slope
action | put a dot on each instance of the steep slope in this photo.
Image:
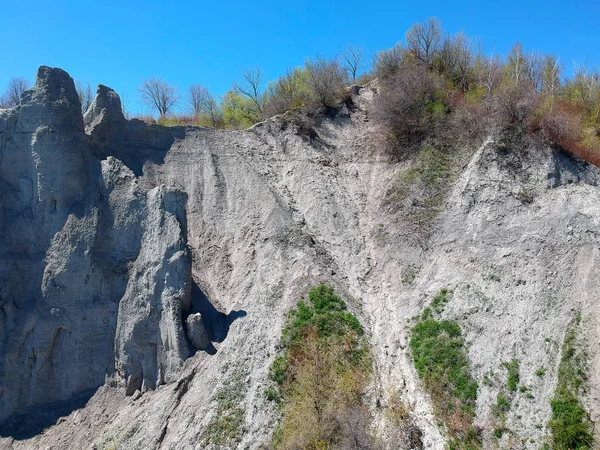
(129, 229)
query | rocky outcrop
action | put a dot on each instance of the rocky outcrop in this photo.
(150, 342)
(196, 331)
(50, 186)
(74, 230)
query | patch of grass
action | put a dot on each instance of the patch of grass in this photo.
(540, 372)
(437, 304)
(272, 394)
(419, 192)
(492, 275)
(525, 195)
(226, 428)
(570, 424)
(498, 432)
(409, 274)
(502, 405)
(513, 375)
(121, 440)
(440, 358)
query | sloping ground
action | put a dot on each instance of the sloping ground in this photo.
(271, 212)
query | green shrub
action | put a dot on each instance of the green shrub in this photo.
(440, 358)
(502, 404)
(513, 375)
(570, 424)
(540, 372)
(321, 374)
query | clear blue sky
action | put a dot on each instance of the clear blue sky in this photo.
(119, 43)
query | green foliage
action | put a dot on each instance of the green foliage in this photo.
(239, 112)
(540, 372)
(502, 405)
(272, 394)
(278, 369)
(570, 424)
(292, 90)
(226, 428)
(439, 301)
(321, 374)
(513, 375)
(420, 190)
(440, 359)
(326, 313)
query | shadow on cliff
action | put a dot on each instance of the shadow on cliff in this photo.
(135, 143)
(37, 418)
(216, 323)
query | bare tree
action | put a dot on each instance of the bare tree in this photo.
(586, 82)
(158, 94)
(198, 96)
(423, 40)
(456, 60)
(388, 62)
(250, 87)
(353, 59)
(125, 106)
(551, 69)
(12, 95)
(327, 78)
(85, 93)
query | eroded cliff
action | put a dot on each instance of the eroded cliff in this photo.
(114, 233)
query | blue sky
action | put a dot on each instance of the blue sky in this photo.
(119, 43)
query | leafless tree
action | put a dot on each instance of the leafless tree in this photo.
(353, 59)
(551, 69)
(85, 93)
(403, 107)
(423, 40)
(12, 95)
(327, 78)
(212, 111)
(493, 74)
(158, 94)
(198, 96)
(388, 62)
(587, 85)
(125, 106)
(456, 60)
(251, 88)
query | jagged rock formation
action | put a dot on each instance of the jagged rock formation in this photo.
(71, 227)
(113, 231)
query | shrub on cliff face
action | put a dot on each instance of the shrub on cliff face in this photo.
(412, 101)
(441, 361)
(570, 424)
(321, 376)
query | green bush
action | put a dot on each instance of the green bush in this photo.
(570, 424)
(502, 405)
(440, 358)
(321, 374)
(513, 375)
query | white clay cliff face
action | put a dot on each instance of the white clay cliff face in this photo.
(142, 266)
